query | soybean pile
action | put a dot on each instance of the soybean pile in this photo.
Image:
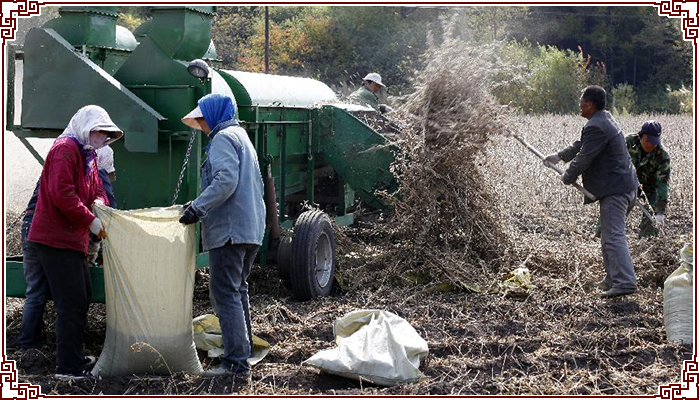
(473, 205)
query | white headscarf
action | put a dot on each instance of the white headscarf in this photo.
(105, 159)
(87, 119)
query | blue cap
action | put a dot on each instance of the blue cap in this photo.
(655, 140)
(652, 129)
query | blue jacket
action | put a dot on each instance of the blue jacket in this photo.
(601, 157)
(231, 204)
(107, 186)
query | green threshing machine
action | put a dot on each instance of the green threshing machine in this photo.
(310, 148)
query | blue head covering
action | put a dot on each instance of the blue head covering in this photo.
(652, 129)
(216, 108)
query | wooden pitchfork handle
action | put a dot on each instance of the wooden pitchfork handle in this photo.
(560, 171)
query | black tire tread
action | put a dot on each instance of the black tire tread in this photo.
(307, 226)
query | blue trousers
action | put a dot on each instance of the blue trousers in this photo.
(229, 267)
(36, 294)
(619, 271)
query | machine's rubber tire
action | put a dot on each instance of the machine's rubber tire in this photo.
(284, 258)
(313, 256)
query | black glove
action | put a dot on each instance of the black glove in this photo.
(189, 216)
(552, 158)
(566, 178)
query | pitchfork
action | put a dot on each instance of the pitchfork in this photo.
(583, 190)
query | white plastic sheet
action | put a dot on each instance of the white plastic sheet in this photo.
(149, 260)
(678, 300)
(373, 345)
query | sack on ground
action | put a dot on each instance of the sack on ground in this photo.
(678, 300)
(373, 345)
(149, 264)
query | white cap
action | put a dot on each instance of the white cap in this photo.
(191, 118)
(374, 77)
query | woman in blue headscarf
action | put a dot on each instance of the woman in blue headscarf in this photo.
(232, 212)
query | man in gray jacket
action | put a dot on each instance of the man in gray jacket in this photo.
(601, 157)
(232, 211)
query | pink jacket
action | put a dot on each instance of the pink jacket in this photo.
(63, 215)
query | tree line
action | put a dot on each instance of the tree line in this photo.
(630, 50)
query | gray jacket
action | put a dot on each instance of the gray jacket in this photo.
(601, 157)
(231, 205)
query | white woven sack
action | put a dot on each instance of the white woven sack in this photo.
(373, 345)
(149, 260)
(678, 300)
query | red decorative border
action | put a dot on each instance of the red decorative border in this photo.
(8, 24)
(677, 11)
(676, 390)
(8, 375)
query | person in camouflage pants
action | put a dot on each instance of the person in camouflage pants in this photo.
(653, 166)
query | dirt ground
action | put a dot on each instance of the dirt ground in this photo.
(561, 338)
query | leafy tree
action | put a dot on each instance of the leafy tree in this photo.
(333, 44)
(232, 29)
(624, 98)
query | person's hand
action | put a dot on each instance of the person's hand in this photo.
(96, 202)
(189, 216)
(552, 159)
(659, 220)
(97, 229)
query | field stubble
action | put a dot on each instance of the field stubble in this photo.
(561, 339)
(474, 204)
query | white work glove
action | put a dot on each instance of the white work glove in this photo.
(659, 220)
(96, 226)
(552, 158)
(97, 202)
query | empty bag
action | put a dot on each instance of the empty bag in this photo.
(373, 345)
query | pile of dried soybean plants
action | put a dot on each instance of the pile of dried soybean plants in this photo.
(445, 229)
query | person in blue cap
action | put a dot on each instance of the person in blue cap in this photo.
(653, 166)
(232, 212)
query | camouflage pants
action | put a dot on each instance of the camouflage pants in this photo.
(646, 227)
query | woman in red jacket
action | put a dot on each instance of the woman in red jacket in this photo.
(63, 220)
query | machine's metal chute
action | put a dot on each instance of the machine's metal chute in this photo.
(360, 155)
(58, 81)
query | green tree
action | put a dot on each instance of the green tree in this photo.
(333, 44)
(232, 29)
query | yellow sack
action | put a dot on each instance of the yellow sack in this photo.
(207, 337)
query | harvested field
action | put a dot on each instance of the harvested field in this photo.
(561, 339)
(473, 205)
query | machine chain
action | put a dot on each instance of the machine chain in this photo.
(184, 166)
